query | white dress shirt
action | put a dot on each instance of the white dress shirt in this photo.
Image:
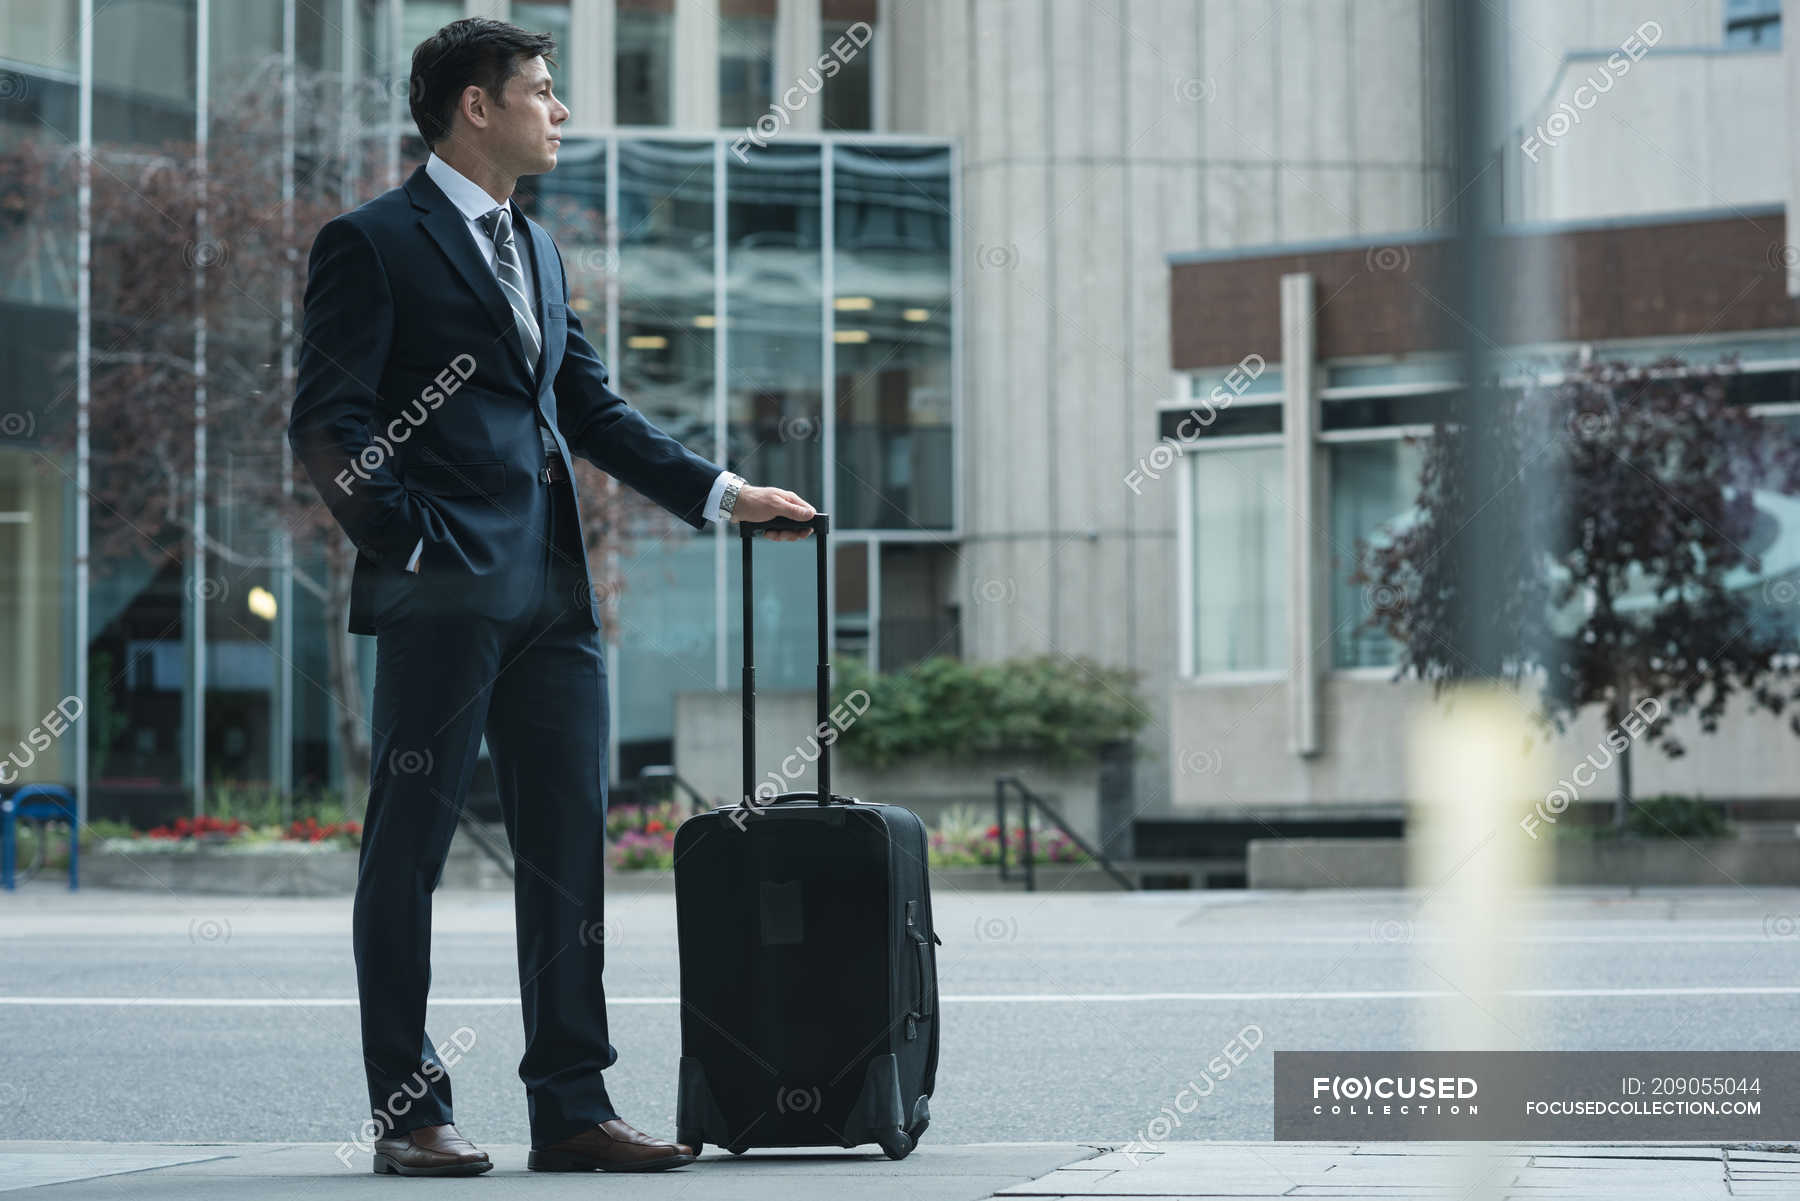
(472, 200)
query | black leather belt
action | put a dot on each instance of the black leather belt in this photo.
(554, 470)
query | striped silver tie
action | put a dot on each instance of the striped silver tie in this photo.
(498, 224)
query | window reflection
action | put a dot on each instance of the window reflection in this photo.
(746, 68)
(551, 17)
(643, 32)
(1374, 488)
(891, 331)
(1239, 573)
(774, 268)
(666, 300)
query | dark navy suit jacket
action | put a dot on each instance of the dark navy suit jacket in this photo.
(413, 412)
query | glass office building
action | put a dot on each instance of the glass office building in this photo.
(785, 309)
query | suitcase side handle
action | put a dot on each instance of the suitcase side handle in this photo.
(916, 932)
(820, 523)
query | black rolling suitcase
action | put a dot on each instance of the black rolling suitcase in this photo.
(809, 1000)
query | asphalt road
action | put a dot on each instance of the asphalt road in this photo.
(1065, 1017)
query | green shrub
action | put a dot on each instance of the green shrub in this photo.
(1052, 708)
(1671, 816)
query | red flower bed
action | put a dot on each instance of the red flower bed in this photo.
(210, 828)
(310, 830)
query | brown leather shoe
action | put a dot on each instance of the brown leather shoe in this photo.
(430, 1151)
(612, 1146)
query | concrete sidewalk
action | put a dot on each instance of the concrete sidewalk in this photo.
(1463, 1172)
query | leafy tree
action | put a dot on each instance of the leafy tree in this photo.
(1629, 534)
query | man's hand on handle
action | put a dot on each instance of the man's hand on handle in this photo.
(758, 502)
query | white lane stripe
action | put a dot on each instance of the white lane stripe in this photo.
(1772, 990)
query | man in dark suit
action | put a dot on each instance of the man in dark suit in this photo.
(444, 382)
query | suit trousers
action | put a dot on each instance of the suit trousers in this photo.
(537, 688)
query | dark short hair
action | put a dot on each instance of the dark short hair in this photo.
(474, 50)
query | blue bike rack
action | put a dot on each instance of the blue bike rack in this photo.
(37, 801)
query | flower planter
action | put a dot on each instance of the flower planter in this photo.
(268, 869)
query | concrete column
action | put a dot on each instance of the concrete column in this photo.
(798, 33)
(591, 58)
(1305, 512)
(696, 61)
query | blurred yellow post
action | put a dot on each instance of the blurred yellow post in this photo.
(1477, 771)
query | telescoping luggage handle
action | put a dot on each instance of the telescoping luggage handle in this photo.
(820, 524)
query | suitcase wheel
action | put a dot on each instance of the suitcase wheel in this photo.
(896, 1143)
(689, 1138)
(739, 1150)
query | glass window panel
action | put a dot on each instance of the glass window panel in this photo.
(642, 73)
(852, 600)
(1772, 587)
(746, 69)
(892, 319)
(666, 295)
(786, 601)
(374, 27)
(774, 384)
(42, 33)
(916, 624)
(144, 72)
(1374, 487)
(665, 635)
(318, 37)
(1239, 561)
(774, 353)
(1754, 23)
(419, 19)
(849, 94)
(551, 17)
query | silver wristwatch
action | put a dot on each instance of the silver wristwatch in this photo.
(728, 498)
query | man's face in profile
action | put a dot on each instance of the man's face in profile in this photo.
(525, 133)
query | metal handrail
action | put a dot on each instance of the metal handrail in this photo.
(697, 803)
(1028, 799)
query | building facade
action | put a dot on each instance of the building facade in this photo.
(770, 277)
(1012, 241)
